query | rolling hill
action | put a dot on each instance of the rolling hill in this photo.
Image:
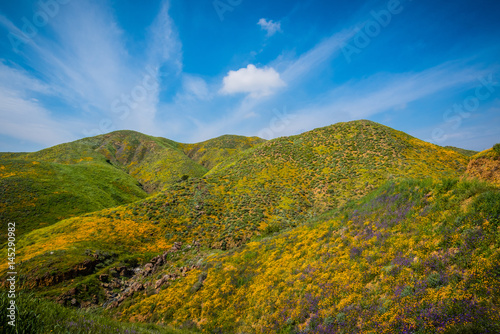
(273, 186)
(38, 189)
(354, 228)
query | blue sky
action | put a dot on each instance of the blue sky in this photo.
(191, 70)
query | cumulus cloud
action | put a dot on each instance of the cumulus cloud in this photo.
(269, 26)
(255, 81)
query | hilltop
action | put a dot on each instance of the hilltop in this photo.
(38, 189)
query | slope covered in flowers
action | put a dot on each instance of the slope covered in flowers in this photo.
(273, 186)
(212, 152)
(412, 257)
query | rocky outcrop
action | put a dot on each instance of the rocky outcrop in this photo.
(484, 168)
(138, 282)
(84, 268)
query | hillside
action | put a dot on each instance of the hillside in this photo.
(468, 153)
(412, 257)
(485, 166)
(41, 188)
(153, 161)
(35, 193)
(277, 185)
(212, 152)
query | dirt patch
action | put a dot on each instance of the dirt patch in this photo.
(487, 169)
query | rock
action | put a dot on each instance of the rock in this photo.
(136, 287)
(104, 278)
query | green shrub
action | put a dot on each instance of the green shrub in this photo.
(496, 148)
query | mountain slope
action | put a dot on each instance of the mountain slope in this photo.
(465, 152)
(212, 152)
(35, 193)
(485, 166)
(273, 186)
(413, 257)
(153, 161)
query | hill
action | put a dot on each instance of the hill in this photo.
(212, 152)
(465, 152)
(271, 187)
(87, 175)
(153, 161)
(36, 193)
(41, 188)
(412, 257)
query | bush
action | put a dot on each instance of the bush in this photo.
(496, 148)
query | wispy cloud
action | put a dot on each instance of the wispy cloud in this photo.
(269, 26)
(364, 98)
(87, 63)
(23, 116)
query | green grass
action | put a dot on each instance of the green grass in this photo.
(212, 152)
(35, 315)
(38, 194)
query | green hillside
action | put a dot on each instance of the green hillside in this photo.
(412, 257)
(274, 186)
(35, 193)
(153, 161)
(350, 228)
(212, 152)
(41, 188)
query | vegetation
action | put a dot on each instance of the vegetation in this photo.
(414, 256)
(468, 153)
(153, 161)
(351, 228)
(34, 194)
(496, 149)
(212, 152)
(35, 315)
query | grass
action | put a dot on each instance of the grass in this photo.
(415, 256)
(465, 152)
(35, 315)
(34, 194)
(297, 234)
(212, 152)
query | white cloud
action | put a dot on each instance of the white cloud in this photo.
(255, 81)
(269, 26)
